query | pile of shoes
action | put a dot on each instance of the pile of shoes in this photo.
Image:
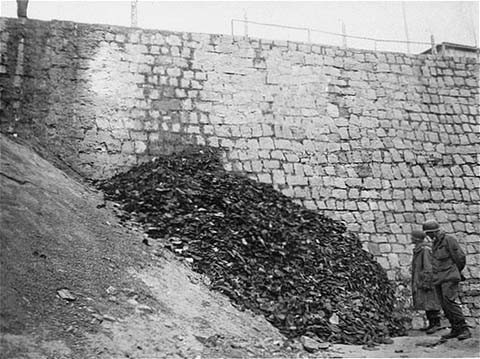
(302, 270)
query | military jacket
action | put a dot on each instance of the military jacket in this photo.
(448, 259)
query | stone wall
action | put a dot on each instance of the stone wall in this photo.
(382, 141)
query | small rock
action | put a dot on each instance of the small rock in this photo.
(235, 353)
(132, 301)
(41, 255)
(129, 292)
(369, 347)
(309, 344)
(334, 319)
(157, 253)
(98, 317)
(387, 340)
(109, 318)
(145, 308)
(205, 303)
(70, 329)
(168, 324)
(295, 345)
(65, 294)
(323, 345)
(111, 290)
(398, 350)
(430, 344)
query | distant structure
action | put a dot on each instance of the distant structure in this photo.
(133, 13)
(452, 49)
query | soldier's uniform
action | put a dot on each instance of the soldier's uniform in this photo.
(448, 260)
(423, 292)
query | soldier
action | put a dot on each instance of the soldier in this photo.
(22, 6)
(423, 292)
(448, 261)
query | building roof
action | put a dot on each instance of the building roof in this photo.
(451, 45)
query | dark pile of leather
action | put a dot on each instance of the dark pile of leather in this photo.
(300, 269)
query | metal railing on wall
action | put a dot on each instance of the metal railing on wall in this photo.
(309, 37)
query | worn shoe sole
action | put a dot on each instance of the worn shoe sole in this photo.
(464, 336)
(433, 330)
(449, 336)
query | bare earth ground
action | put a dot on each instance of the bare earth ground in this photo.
(128, 300)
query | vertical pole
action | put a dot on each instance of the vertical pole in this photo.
(344, 34)
(434, 48)
(375, 45)
(133, 13)
(470, 13)
(231, 27)
(245, 22)
(406, 27)
(473, 30)
(309, 36)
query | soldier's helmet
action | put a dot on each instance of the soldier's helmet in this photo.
(418, 234)
(431, 226)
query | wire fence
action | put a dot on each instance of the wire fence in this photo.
(309, 35)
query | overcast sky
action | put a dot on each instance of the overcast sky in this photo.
(452, 21)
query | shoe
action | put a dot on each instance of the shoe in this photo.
(453, 334)
(387, 340)
(464, 334)
(433, 329)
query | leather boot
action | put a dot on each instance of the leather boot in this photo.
(453, 334)
(434, 326)
(464, 334)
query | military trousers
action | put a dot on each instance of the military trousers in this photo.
(447, 293)
(433, 316)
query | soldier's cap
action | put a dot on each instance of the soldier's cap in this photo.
(418, 234)
(431, 226)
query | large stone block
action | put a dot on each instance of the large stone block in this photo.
(293, 180)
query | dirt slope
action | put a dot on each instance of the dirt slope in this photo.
(130, 300)
(53, 236)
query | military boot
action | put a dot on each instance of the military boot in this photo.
(453, 334)
(464, 334)
(434, 326)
